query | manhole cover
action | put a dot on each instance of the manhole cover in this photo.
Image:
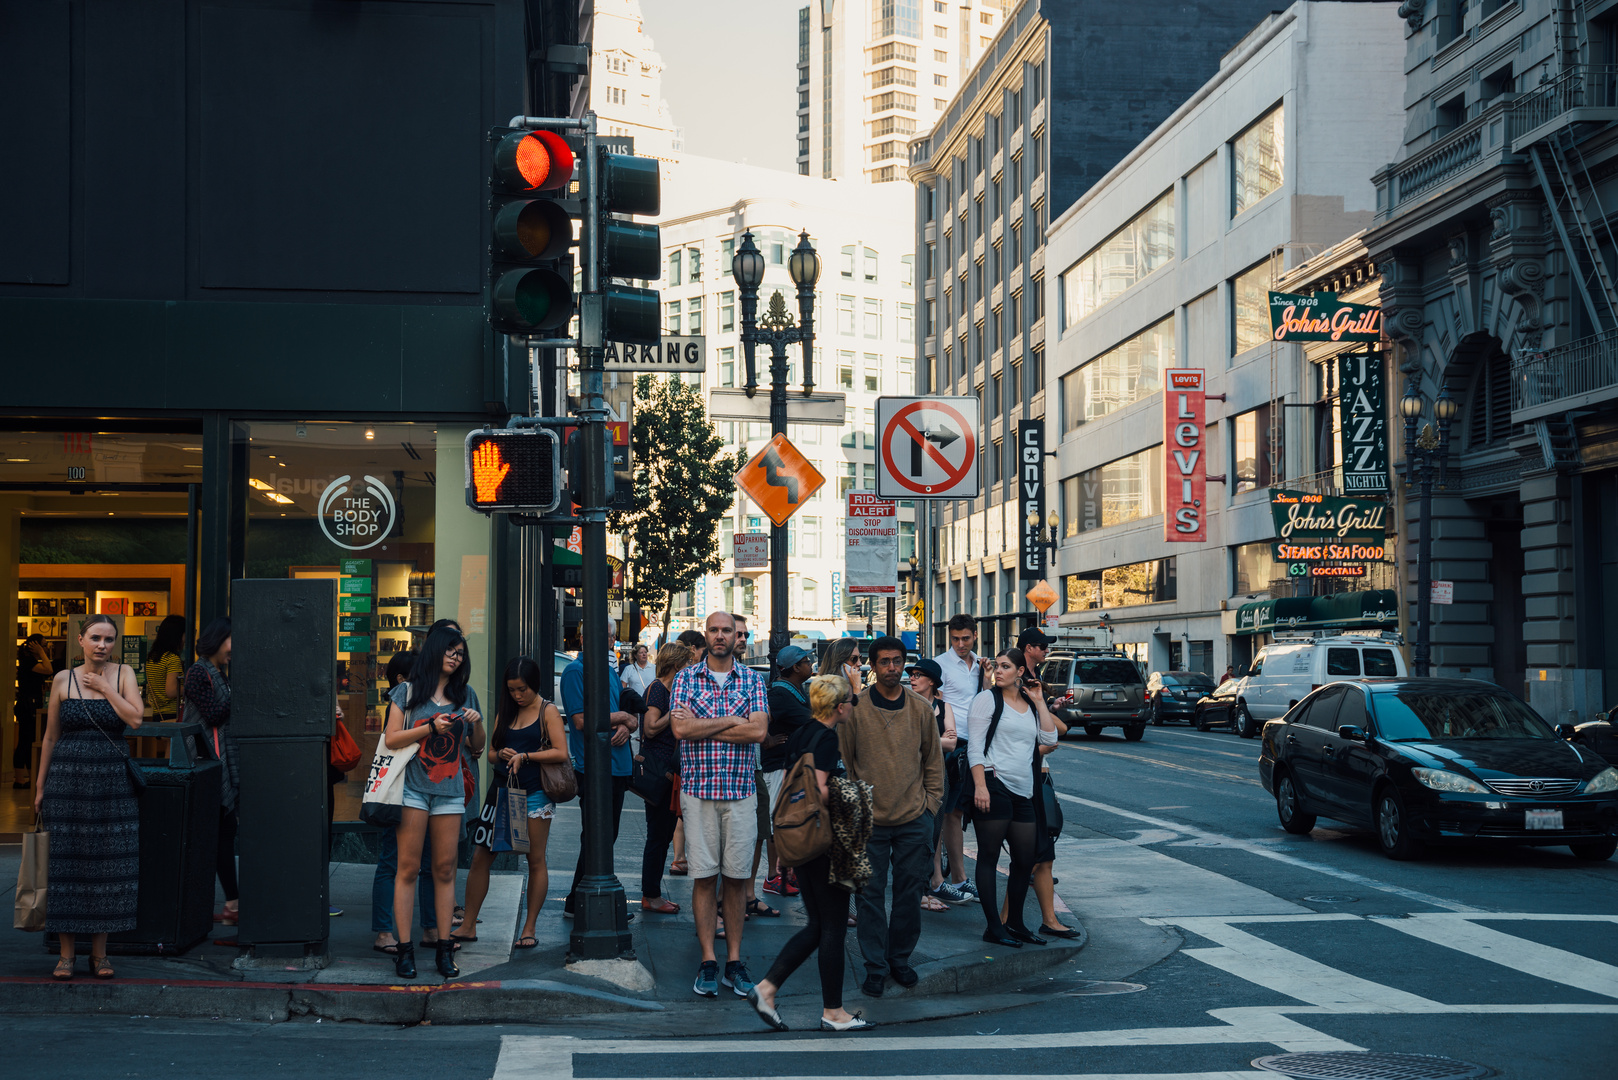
(1096, 989)
(1331, 899)
(1364, 1065)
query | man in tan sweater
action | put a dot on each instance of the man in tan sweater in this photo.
(892, 742)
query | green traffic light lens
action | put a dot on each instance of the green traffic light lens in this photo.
(534, 299)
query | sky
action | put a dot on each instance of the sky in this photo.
(730, 76)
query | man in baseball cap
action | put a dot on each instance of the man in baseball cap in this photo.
(789, 710)
(1035, 645)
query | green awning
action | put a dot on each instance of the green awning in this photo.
(1376, 609)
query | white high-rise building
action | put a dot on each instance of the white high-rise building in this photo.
(626, 81)
(874, 73)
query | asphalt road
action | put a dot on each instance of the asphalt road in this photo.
(1216, 939)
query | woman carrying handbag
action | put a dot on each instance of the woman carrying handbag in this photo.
(528, 742)
(659, 759)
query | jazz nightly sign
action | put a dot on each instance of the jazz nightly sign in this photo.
(1322, 317)
(1185, 440)
(1363, 397)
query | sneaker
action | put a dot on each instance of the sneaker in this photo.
(968, 888)
(707, 984)
(736, 978)
(951, 894)
(332, 911)
(780, 885)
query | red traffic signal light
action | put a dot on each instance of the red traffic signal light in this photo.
(513, 470)
(533, 161)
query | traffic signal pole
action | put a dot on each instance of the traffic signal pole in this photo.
(600, 921)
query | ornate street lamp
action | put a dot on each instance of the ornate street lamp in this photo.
(1425, 454)
(777, 330)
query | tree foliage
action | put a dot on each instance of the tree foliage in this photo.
(684, 486)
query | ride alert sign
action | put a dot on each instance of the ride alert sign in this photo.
(872, 557)
(1185, 438)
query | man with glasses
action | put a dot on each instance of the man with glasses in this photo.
(891, 742)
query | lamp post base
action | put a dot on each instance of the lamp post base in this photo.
(600, 921)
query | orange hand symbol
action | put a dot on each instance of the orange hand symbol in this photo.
(488, 471)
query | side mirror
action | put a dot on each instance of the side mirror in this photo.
(1565, 731)
(1351, 732)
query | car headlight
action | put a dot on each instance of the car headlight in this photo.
(1444, 780)
(1605, 780)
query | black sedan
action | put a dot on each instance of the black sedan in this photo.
(1223, 707)
(1424, 761)
(1173, 695)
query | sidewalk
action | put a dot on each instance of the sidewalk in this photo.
(502, 985)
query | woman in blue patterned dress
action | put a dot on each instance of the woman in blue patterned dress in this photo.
(86, 801)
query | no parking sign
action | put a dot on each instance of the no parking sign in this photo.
(927, 448)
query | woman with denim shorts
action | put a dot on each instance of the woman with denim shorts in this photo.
(528, 733)
(433, 711)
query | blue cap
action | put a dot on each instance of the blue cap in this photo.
(791, 656)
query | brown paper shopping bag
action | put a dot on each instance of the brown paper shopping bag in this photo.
(36, 854)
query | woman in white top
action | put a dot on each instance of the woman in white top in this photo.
(1001, 753)
(639, 674)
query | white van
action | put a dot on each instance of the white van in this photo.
(1285, 671)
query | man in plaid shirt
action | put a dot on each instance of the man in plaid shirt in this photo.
(718, 712)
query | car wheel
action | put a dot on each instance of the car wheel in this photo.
(1092, 730)
(1289, 809)
(1245, 727)
(1596, 851)
(1202, 725)
(1134, 732)
(1393, 826)
(1156, 714)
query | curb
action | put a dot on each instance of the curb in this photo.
(994, 966)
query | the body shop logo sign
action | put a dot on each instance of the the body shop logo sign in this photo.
(356, 515)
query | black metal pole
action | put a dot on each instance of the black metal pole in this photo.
(600, 923)
(780, 633)
(1424, 569)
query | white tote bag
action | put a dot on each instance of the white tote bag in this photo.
(384, 786)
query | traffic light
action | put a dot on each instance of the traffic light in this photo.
(626, 184)
(575, 470)
(513, 470)
(530, 272)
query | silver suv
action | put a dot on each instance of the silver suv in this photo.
(1095, 690)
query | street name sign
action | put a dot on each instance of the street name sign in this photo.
(814, 409)
(927, 447)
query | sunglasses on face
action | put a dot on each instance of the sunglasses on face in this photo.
(854, 699)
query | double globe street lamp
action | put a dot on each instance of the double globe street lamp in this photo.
(777, 330)
(1424, 455)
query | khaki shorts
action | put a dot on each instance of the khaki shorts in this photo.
(719, 836)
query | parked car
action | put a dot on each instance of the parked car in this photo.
(1225, 706)
(1599, 735)
(1173, 695)
(1436, 761)
(1095, 691)
(1284, 672)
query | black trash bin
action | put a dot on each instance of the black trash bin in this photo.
(179, 831)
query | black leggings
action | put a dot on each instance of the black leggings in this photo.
(660, 824)
(225, 856)
(1019, 836)
(827, 908)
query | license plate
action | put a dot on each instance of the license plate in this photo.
(1542, 819)
(1105, 696)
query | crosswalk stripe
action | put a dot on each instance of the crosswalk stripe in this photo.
(1266, 964)
(1519, 954)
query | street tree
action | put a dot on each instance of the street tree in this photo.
(684, 486)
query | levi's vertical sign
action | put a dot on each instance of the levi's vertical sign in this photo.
(1031, 499)
(1185, 440)
(1363, 397)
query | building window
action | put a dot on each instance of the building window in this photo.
(1258, 464)
(727, 367)
(693, 264)
(995, 401)
(848, 262)
(1144, 245)
(1250, 308)
(1120, 491)
(1254, 570)
(893, 99)
(897, 18)
(870, 262)
(907, 324)
(1118, 377)
(1014, 384)
(873, 373)
(671, 321)
(727, 312)
(845, 371)
(940, 56)
(727, 252)
(941, 31)
(986, 17)
(845, 315)
(873, 318)
(693, 309)
(940, 80)
(1152, 582)
(1257, 160)
(673, 275)
(907, 270)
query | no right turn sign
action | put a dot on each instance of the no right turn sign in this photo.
(927, 448)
